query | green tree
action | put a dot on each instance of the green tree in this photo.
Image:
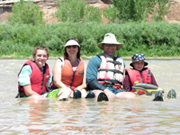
(26, 13)
(136, 10)
(161, 9)
(77, 11)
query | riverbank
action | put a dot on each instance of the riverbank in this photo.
(88, 58)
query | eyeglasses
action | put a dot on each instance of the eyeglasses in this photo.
(73, 46)
(109, 45)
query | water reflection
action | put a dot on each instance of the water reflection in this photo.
(86, 116)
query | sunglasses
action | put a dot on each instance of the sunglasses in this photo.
(73, 46)
(108, 45)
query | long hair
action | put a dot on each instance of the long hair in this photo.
(79, 51)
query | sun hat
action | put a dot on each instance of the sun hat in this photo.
(138, 57)
(71, 42)
(110, 38)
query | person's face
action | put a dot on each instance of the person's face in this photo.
(40, 58)
(72, 50)
(138, 65)
(110, 49)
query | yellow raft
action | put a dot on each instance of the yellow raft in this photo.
(148, 88)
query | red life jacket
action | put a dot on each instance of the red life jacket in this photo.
(111, 71)
(71, 78)
(141, 77)
(38, 80)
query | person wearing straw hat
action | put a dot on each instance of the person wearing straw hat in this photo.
(105, 71)
(69, 73)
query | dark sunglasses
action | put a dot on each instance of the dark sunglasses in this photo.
(73, 46)
(108, 45)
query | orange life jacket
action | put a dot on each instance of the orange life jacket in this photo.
(141, 77)
(38, 80)
(71, 78)
(111, 71)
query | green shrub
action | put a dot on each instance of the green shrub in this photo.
(161, 9)
(77, 11)
(152, 39)
(132, 10)
(26, 13)
(110, 13)
(136, 10)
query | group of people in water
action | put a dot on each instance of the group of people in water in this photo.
(102, 78)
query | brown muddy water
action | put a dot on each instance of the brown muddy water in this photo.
(140, 115)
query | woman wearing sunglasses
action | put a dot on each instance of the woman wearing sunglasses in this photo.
(69, 73)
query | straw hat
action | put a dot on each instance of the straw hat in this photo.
(110, 38)
(71, 42)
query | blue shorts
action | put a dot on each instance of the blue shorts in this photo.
(115, 91)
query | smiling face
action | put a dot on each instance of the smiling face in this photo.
(110, 49)
(139, 65)
(72, 50)
(40, 58)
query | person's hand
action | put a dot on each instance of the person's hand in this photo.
(37, 97)
(109, 93)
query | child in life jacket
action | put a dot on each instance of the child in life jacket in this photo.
(34, 76)
(138, 73)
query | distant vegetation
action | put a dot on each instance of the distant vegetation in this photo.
(26, 29)
(26, 13)
(136, 10)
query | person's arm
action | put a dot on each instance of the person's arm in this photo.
(91, 73)
(24, 80)
(83, 85)
(153, 80)
(57, 74)
(126, 83)
(29, 91)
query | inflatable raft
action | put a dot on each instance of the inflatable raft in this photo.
(149, 89)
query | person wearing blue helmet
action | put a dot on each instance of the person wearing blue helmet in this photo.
(139, 73)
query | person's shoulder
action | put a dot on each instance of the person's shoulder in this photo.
(119, 56)
(27, 66)
(60, 60)
(95, 58)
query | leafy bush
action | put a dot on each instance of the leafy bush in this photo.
(161, 9)
(152, 39)
(26, 13)
(136, 10)
(132, 10)
(77, 11)
(110, 13)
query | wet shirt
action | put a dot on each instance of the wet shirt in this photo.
(25, 75)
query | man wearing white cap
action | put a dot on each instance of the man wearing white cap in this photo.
(105, 71)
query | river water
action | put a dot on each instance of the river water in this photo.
(140, 115)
